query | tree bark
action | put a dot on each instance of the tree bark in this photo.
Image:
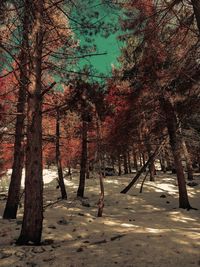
(188, 160)
(33, 206)
(152, 165)
(143, 158)
(101, 166)
(141, 164)
(119, 165)
(125, 163)
(135, 161)
(87, 170)
(175, 142)
(169, 161)
(101, 199)
(58, 158)
(196, 7)
(129, 162)
(12, 203)
(81, 188)
(162, 162)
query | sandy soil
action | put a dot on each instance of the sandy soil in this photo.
(137, 230)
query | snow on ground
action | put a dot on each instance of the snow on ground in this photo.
(136, 230)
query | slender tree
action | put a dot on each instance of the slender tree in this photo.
(12, 203)
(33, 207)
(58, 157)
(84, 153)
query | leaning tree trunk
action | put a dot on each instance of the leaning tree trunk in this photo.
(175, 142)
(143, 169)
(81, 188)
(12, 203)
(58, 158)
(33, 206)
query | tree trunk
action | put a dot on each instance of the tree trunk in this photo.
(125, 163)
(69, 173)
(199, 162)
(152, 171)
(58, 158)
(188, 161)
(101, 166)
(12, 203)
(113, 163)
(88, 170)
(141, 164)
(196, 7)
(33, 207)
(169, 161)
(143, 158)
(175, 142)
(162, 162)
(80, 192)
(119, 165)
(134, 180)
(129, 162)
(135, 161)
(152, 165)
(101, 199)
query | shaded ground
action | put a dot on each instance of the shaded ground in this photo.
(137, 230)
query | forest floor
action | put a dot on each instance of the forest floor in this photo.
(136, 230)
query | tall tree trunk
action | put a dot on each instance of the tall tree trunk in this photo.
(58, 158)
(196, 7)
(81, 188)
(101, 166)
(12, 203)
(188, 160)
(33, 206)
(175, 142)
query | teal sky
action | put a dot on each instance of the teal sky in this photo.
(103, 63)
(109, 44)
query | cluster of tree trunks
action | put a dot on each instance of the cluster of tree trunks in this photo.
(30, 98)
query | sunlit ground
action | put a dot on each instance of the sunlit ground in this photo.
(137, 230)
